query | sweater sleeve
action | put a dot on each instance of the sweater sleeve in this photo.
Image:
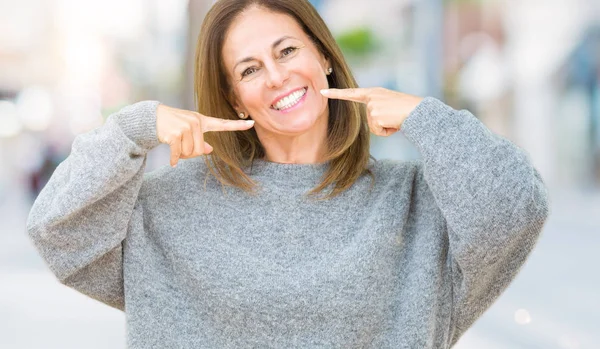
(494, 203)
(80, 218)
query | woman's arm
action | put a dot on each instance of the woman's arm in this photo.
(494, 202)
(81, 217)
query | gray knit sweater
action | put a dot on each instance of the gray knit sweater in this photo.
(411, 263)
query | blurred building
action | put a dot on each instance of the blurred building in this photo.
(578, 81)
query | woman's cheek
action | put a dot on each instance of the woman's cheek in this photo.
(249, 98)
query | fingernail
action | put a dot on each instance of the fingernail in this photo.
(324, 92)
(249, 122)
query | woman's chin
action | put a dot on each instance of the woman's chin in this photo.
(296, 126)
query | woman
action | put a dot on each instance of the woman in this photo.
(288, 235)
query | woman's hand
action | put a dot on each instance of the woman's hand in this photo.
(183, 131)
(386, 109)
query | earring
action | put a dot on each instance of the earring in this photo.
(243, 116)
(329, 71)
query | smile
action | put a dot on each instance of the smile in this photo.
(289, 101)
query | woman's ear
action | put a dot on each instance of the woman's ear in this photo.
(327, 64)
(237, 107)
(233, 100)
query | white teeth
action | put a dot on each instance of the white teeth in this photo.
(290, 100)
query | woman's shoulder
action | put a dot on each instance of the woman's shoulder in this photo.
(393, 175)
(398, 175)
(166, 178)
(389, 168)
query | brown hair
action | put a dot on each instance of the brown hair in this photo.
(348, 132)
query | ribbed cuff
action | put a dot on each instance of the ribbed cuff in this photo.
(138, 122)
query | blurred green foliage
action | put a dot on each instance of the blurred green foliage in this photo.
(357, 42)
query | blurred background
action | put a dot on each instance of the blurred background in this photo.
(528, 69)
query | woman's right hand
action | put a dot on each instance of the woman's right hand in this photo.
(183, 131)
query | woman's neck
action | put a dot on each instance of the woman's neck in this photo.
(307, 148)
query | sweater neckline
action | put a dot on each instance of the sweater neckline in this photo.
(313, 171)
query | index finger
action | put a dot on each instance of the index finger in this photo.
(210, 124)
(348, 94)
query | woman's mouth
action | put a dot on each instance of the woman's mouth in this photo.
(288, 102)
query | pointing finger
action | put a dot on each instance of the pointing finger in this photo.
(348, 94)
(197, 136)
(175, 144)
(207, 148)
(210, 124)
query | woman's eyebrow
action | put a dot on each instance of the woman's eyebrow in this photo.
(275, 43)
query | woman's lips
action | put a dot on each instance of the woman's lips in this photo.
(295, 106)
(278, 99)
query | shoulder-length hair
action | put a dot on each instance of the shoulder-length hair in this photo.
(348, 132)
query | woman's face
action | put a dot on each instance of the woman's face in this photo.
(276, 73)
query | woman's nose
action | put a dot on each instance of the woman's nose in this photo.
(277, 74)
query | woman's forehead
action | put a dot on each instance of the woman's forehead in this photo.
(258, 29)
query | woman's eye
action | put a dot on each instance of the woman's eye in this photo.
(284, 53)
(248, 71)
(287, 51)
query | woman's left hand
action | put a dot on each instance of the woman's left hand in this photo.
(386, 109)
